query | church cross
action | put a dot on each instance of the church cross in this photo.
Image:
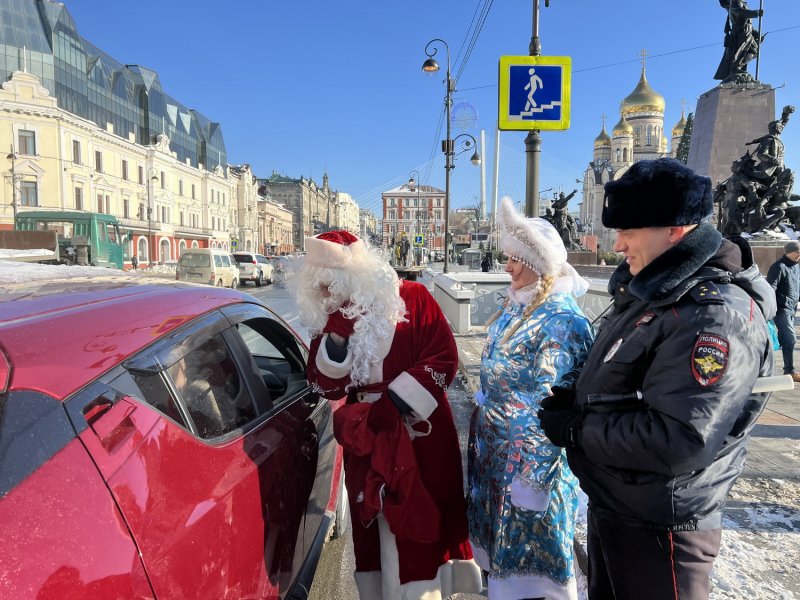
(644, 54)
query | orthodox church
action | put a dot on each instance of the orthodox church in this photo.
(638, 135)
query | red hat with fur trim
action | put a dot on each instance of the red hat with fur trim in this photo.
(334, 249)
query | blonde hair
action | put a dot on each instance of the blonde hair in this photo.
(546, 285)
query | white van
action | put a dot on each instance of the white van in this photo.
(213, 266)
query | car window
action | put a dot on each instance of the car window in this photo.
(153, 390)
(261, 259)
(277, 355)
(241, 259)
(195, 260)
(211, 387)
(218, 260)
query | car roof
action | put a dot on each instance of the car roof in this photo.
(60, 334)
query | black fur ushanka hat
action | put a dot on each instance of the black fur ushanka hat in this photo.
(657, 193)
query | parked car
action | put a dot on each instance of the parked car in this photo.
(253, 267)
(213, 266)
(158, 440)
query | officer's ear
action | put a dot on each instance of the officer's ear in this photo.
(678, 232)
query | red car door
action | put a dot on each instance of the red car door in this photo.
(183, 449)
(279, 357)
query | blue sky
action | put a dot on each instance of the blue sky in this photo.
(305, 87)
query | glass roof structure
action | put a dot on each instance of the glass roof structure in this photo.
(40, 37)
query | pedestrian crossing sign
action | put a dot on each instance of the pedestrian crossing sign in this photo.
(419, 240)
(534, 92)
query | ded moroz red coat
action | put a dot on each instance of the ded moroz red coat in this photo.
(419, 363)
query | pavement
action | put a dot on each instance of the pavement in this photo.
(763, 506)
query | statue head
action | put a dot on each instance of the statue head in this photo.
(775, 127)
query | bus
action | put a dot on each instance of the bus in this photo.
(84, 238)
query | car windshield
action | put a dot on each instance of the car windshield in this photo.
(195, 260)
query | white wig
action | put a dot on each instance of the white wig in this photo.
(361, 279)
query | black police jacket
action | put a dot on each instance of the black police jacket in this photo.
(689, 335)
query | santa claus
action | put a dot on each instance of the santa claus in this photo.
(386, 345)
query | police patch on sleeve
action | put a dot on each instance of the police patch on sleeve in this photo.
(709, 358)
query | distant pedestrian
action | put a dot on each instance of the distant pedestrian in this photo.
(486, 263)
(784, 277)
(134, 262)
(658, 427)
(522, 496)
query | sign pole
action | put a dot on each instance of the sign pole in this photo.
(533, 141)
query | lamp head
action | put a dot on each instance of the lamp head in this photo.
(476, 158)
(12, 156)
(430, 66)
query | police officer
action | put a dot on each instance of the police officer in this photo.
(658, 425)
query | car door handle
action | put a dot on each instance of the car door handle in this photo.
(110, 421)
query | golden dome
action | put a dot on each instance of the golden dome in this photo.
(603, 140)
(623, 128)
(642, 99)
(677, 131)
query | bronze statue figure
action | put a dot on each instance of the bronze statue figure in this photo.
(757, 197)
(564, 223)
(742, 42)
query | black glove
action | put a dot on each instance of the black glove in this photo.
(561, 420)
(560, 398)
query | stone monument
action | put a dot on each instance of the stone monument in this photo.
(734, 112)
(558, 215)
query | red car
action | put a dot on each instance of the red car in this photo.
(158, 440)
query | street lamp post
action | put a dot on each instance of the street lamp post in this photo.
(150, 178)
(13, 158)
(411, 184)
(448, 144)
(431, 66)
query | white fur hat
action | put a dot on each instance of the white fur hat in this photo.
(334, 250)
(533, 242)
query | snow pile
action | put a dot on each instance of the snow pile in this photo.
(11, 253)
(13, 271)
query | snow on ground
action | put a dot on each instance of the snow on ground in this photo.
(13, 271)
(11, 254)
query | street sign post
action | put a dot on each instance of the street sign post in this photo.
(534, 93)
(419, 240)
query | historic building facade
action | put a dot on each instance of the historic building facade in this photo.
(86, 132)
(315, 208)
(638, 135)
(414, 210)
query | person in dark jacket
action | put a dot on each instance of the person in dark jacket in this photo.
(658, 426)
(784, 277)
(486, 263)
